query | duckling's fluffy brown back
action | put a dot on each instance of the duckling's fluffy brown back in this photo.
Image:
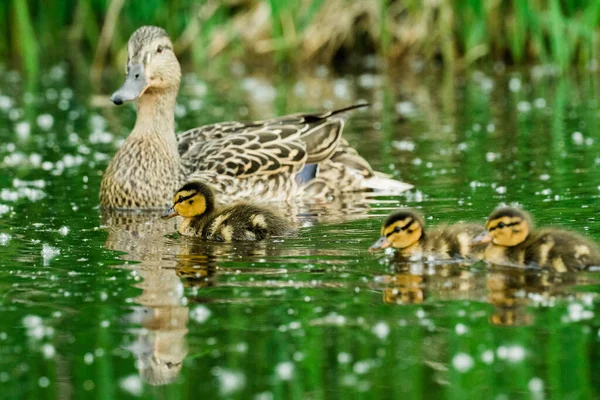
(454, 240)
(238, 222)
(559, 249)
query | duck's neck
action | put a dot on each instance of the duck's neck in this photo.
(156, 117)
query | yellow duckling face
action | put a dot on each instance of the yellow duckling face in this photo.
(192, 200)
(506, 226)
(400, 230)
(151, 65)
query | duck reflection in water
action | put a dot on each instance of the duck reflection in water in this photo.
(161, 313)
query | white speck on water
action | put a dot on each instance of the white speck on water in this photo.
(263, 396)
(514, 85)
(34, 326)
(48, 351)
(63, 230)
(4, 209)
(5, 103)
(23, 129)
(490, 157)
(405, 108)
(524, 106)
(577, 138)
(578, 313)
(341, 89)
(462, 362)
(229, 381)
(200, 314)
(501, 189)
(344, 358)
(100, 137)
(544, 177)
(45, 121)
(362, 367)
(88, 358)
(44, 382)
(487, 357)
(490, 128)
(404, 145)
(461, 329)
(535, 385)
(285, 370)
(132, 385)
(539, 102)
(381, 330)
(105, 324)
(48, 253)
(514, 353)
(420, 313)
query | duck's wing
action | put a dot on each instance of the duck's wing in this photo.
(280, 145)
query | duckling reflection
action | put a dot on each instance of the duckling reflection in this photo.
(510, 290)
(514, 241)
(414, 283)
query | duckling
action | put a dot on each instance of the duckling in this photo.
(405, 231)
(512, 239)
(277, 159)
(195, 202)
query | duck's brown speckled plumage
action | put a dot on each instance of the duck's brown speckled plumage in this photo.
(260, 160)
(195, 201)
(405, 230)
(556, 249)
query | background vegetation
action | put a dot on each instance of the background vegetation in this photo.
(454, 32)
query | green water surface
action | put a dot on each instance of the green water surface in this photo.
(108, 306)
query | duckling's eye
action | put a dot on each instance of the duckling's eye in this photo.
(397, 229)
(501, 225)
(159, 49)
(410, 231)
(191, 202)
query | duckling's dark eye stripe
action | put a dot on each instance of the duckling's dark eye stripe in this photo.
(182, 199)
(505, 225)
(400, 229)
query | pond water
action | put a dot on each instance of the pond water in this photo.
(118, 306)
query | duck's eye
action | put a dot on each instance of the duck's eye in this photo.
(191, 202)
(397, 229)
(501, 225)
(159, 49)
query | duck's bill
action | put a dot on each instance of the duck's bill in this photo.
(483, 237)
(134, 86)
(170, 213)
(382, 243)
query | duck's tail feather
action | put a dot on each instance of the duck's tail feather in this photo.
(384, 185)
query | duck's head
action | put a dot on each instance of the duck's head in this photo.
(401, 230)
(506, 226)
(192, 200)
(151, 65)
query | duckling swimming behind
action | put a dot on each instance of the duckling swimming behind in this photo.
(195, 202)
(512, 240)
(405, 231)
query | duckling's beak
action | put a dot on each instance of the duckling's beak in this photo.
(382, 243)
(170, 213)
(483, 237)
(134, 86)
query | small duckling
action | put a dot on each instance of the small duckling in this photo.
(195, 202)
(405, 231)
(512, 239)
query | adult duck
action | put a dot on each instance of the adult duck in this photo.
(277, 159)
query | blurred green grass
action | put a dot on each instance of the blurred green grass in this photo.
(453, 33)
